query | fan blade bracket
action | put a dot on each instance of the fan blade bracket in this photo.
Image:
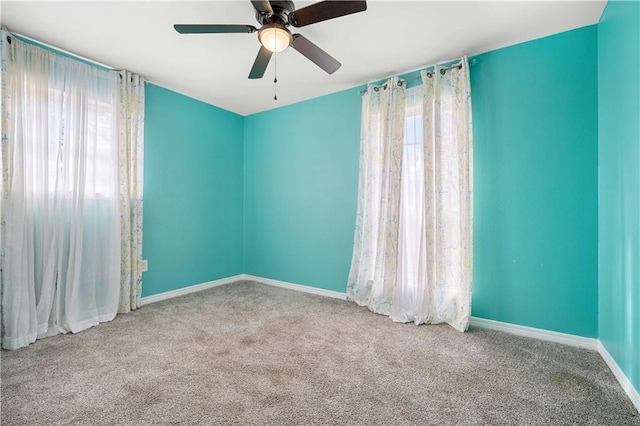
(325, 10)
(214, 29)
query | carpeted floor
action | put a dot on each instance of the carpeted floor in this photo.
(247, 353)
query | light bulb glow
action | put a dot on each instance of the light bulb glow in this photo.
(274, 38)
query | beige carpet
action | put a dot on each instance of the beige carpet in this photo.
(247, 353)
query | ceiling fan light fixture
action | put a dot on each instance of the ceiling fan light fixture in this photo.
(274, 37)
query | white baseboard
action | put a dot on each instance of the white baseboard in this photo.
(537, 333)
(626, 384)
(187, 290)
(519, 330)
(297, 287)
(566, 339)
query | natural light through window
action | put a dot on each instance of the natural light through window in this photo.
(65, 159)
(412, 208)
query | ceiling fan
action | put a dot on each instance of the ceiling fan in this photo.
(274, 36)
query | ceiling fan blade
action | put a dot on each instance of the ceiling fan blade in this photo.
(214, 29)
(261, 62)
(315, 54)
(325, 10)
(262, 6)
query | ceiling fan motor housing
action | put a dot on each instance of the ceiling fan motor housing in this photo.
(281, 11)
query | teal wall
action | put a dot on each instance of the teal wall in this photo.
(619, 184)
(535, 131)
(535, 184)
(193, 203)
(301, 188)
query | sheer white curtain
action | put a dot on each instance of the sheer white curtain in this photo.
(61, 246)
(375, 250)
(432, 275)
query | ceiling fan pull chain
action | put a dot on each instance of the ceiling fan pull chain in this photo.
(275, 76)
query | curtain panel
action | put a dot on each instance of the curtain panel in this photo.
(62, 178)
(419, 234)
(130, 150)
(375, 250)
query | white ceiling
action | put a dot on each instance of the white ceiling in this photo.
(391, 37)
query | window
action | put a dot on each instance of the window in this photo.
(67, 155)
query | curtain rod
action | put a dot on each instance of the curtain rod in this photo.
(66, 52)
(402, 82)
(55, 48)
